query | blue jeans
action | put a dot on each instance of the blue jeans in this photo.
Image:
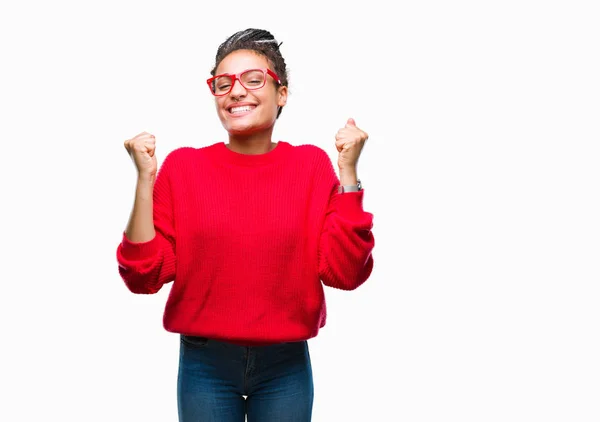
(214, 376)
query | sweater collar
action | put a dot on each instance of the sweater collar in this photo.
(251, 160)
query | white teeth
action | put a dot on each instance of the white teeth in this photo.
(240, 109)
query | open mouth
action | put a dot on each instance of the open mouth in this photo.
(241, 109)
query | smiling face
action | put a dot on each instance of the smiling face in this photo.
(247, 112)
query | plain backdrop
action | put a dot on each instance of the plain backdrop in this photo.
(481, 171)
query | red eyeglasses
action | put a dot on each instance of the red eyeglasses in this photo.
(250, 79)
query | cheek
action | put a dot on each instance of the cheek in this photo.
(220, 110)
(270, 101)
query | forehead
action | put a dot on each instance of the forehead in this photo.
(240, 60)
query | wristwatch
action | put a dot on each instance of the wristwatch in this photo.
(350, 188)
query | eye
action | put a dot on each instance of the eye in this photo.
(253, 78)
(222, 84)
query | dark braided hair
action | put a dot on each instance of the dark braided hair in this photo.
(260, 41)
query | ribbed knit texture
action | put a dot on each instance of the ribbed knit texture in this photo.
(249, 241)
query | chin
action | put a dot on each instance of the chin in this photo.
(250, 128)
(241, 129)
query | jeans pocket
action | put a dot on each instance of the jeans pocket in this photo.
(193, 341)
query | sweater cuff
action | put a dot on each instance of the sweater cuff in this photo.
(350, 205)
(137, 251)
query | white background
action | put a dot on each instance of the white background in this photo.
(481, 171)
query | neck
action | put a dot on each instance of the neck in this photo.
(259, 143)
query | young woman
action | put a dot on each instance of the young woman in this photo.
(248, 232)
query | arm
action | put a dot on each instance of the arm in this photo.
(146, 254)
(140, 227)
(346, 242)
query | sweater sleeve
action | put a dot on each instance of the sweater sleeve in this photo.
(146, 266)
(346, 242)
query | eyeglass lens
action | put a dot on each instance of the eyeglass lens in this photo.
(251, 79)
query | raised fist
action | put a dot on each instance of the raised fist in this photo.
(141, 149)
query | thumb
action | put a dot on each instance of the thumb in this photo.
(351, 122)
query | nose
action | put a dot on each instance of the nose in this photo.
(237, 90)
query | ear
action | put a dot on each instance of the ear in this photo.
(282, 94)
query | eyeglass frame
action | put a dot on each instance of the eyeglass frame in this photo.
(236, 77)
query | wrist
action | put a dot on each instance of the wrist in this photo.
(145, 180)
(348, 176)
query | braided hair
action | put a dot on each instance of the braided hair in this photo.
(260, 41)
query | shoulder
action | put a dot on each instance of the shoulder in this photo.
(176, 157)
(179, 160)
(185, 154)
(179, 153)
(315, 157)
(312, 152)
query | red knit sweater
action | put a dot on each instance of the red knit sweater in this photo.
(249, 241)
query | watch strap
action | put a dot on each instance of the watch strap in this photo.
(350, 188)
